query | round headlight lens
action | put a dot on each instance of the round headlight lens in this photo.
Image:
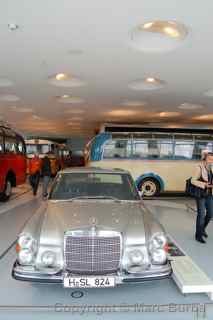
(48, 258)
(158, 241)
(26, 241)
(25, 257)
(159, 256)
(136, 257)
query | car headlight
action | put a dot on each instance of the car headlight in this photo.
(48, 258)
(25, 257)
(159, 256)
(136, 257)
(158, 241)
(157, 249)
(26, 241)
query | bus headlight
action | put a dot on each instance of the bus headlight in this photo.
(48, 258)
(25, 257)
(159, 256)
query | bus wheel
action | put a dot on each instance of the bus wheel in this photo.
(150, 187)
(5, 195)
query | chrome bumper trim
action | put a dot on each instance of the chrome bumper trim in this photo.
(19, 273)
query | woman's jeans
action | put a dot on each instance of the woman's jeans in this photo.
(46, 181)
(204, 214)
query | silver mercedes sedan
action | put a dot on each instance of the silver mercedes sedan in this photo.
(93, 231)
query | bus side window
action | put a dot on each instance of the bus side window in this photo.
(20, 147)
(10, 145)
(140, 149)
(117, 149)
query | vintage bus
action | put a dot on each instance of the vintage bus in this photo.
(12, 161)
(42, 148)
(159, 159)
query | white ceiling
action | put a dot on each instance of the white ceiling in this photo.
(90, 40)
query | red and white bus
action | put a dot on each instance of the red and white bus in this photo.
(12, 161)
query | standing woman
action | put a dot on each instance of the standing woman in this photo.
(203, 178)
(46, 173)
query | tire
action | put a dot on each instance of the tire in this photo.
(150, 187)
(5, 195)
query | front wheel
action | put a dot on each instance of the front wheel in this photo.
(149, 187)
(5, 195)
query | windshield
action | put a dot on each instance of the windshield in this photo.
(69, 186)
(38, 148)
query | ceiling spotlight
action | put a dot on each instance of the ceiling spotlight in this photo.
(65, 80)
(12, 26)
(61, 76)
(69, 99)
(150, 79)
(149, 83)
(121, 113)
(190, 106)
(156, 36)
(169, 114)
(204, 117)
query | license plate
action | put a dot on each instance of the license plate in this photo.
(89, 282)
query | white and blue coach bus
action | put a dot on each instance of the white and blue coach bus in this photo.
(158, 159)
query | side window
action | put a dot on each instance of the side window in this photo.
(199, 147)
(165, 149)
(1, 144)
(10, 145)
(184, 150)
(120, 149)
(140, 149)
(20, 147)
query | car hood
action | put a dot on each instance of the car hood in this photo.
(125, 217)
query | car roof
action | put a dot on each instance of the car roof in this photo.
(93, 170)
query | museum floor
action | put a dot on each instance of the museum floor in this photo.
(149, 300)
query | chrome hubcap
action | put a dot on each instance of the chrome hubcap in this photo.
(148, 188)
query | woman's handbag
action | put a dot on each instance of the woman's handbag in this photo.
(194, 191)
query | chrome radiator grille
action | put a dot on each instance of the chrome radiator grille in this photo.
(92, 254)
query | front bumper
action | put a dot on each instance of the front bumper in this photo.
(30, 274)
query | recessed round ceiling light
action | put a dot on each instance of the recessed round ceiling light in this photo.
(158, 36)
(204, 117)
(147, 84)
(4, 82)
(9, 97)
(69, 99)
(65, 80)
(209, 93)
(190, 106)
(121, 113)
(133, 103)
(169, 114)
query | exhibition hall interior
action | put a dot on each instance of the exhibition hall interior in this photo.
(106, 159)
